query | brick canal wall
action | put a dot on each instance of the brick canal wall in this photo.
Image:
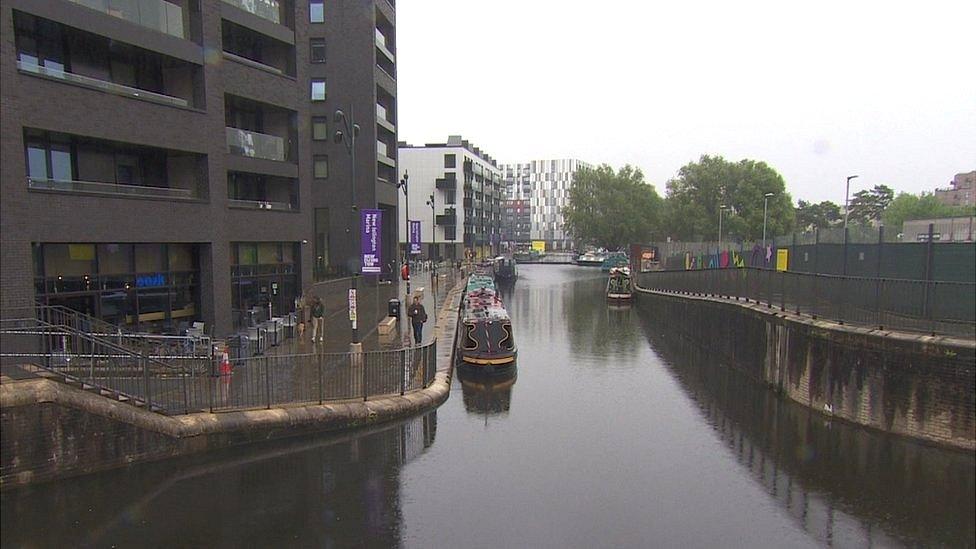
(49, 430)
(913, 385)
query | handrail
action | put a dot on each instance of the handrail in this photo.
(73, 185)
(99, 84)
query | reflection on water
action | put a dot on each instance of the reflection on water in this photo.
(845, 485)
(488, 393)
(327, 491)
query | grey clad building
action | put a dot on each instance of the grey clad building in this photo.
(165, 162)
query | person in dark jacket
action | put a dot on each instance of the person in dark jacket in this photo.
(418, 316)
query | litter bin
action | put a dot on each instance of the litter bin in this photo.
(393, 308)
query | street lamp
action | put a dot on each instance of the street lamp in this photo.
(433, 236)
(346, 133)
(720, 209)
(847, 194)
(406, 198)
(766, 198)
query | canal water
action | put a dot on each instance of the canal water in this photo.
(613, 432)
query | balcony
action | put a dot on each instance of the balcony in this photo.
(259, 205)
(382, 154)
(103, 85)
(446, 183)
(265, 9)
(96, 187)
(255, 145)
(381, 46)
(449, 217)
(383, 120)
(157, 15)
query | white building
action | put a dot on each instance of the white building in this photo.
(545, 185)
(465, 183)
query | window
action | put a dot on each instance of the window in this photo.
(320, 128)
(316, 11)
(318, 89)
(317, 50)
(49, 156)
(450, 232)
(450, 196)
(320, 168)
(450, 161)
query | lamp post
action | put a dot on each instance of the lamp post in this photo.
(346, 133)
(433, 236)
(720, 209)
(406, 199)
(847, 194)
(766, 198)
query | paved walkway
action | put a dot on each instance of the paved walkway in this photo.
(372, 307)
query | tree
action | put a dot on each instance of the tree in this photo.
(906, 207)
(867, 206)
(695, 195)
(610, 209)
(811, 216)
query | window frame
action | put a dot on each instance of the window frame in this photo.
(312, 12)
(315, 164)
(324, 121)
(312, 83)
(312, 46)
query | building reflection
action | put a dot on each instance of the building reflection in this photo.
(327, 491)
(487, 393)
(845, 485)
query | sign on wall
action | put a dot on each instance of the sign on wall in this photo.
(369, 234)
(414, 238)
(539, 245)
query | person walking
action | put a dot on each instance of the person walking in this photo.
(418, 316)
(318, 319)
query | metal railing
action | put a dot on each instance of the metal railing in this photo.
(208, 385)
(259, 204)
(255, 145)
(935, 307)
(104, 85)
(107, 188)
(154, 14)
(266, 9)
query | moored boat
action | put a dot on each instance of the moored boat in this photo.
(614, 260)
(620, 288)
(505, 269)
(590, 259)
(485, 337)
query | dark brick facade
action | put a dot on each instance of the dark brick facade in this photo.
(29, 101)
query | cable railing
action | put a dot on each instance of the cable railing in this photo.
(933, 307)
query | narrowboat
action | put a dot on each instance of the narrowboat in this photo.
(614, 260)
(505, 269)
(485, 337)
(590, 259)
(620, 288)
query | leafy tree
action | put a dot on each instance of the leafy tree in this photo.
(695, 195)
(866, 206)
(610, 209)
(906, 207)
(811, 216)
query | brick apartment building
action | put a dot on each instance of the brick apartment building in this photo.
(164, 162)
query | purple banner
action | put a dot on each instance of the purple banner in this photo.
(369, 234)
(414, 238)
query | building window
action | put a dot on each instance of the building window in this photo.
(49, 157)
(450, 232)
(450, 196)
(320, 128)
(318, 89)
(320, 168)
(316, 11)
(450, 161)
(317, 50)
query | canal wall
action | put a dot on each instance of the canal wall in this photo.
(49, 430)
(913, 385)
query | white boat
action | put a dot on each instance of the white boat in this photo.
(591, 259)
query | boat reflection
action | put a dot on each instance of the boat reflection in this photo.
(488, 393)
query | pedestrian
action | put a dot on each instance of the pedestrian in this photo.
(318, 319)
(418, 316)
(300, 315)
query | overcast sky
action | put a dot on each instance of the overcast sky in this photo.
(819, 90)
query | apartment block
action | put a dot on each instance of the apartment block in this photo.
(455, 191)
(961, 190)
(538, 190)
(168, 162)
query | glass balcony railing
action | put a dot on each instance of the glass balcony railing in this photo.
(154, 14)
(259, 204)
(255, 145)
(381, 148)
(267, 9)
(103, 85)
(381, 112)
(107, 188)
